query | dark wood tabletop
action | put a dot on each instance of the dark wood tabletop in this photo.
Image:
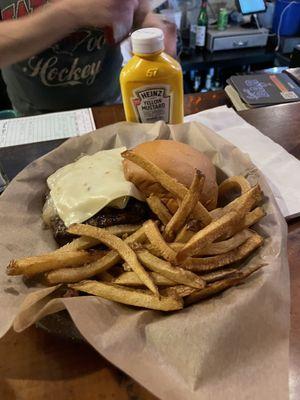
(36, 365)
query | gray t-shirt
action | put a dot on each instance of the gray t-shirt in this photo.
(81, 70)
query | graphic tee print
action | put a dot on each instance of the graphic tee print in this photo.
(79, 71)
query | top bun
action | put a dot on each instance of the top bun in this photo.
(178, 160)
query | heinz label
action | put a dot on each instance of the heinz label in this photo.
(152, 103)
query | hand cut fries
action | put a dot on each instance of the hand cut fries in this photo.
(115, 243)
(158, 242)
(81, 243)
(220, 274)
(106, 277)
(84, 243)
(185, 255)
(72, 275)
(185, 209)
(208, 235)
(164, 268)
(153, 249)
(178, 291)
(253, 217)
(212, 289)
(250, 219)
(36, 265)
(184, 235)
(226, 245)
(246, 201)
(159, 209)
(216, 213)
(132, 279)
(129, 296)
(222, 285)
(215, 262)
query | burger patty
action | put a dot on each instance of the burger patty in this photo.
(134, 212)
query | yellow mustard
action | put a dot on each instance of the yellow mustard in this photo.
(152, 82)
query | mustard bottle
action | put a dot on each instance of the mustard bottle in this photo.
(152, 82)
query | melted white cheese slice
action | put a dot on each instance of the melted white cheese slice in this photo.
(81, 189)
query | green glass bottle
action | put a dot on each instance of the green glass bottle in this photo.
(201, 29)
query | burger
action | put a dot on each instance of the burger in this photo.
(104, 190)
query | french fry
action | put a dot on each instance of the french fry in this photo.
(77, 274)
(246, 201)
(72, 275)
(170, 184)
(157, 241)
(188, 231)
(221, 274)
(250, 219)
(208, 235)
(225, 245)
(176, 246)
(35, 265)
(153, 250)
(120, 230)
(194, 225)
(184, 210)
(184, 235)
(215, 262)
(117, 244)
(178, 291)
(126, 267)
(164, 268)
(245, 272)
(159, 209)
(216, 213)
(220, 286)
(129, 296)
(211, 290)
(171, 204)
(234, 182)
(83, 243)
(132, 279)
(105, 277)
(253, 217)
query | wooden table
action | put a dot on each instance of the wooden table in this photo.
(35, 365)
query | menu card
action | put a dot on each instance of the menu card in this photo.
(46, 127)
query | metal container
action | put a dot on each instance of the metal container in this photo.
(235, 38)
(222, 19)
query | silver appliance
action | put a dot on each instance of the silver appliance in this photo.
(236, 37)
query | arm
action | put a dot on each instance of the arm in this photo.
(29, 35)
(168, 28)
(145, 18)
(21, 38)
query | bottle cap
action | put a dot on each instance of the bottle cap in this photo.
(147, 40)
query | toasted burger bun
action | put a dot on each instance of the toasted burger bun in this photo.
(178, 160)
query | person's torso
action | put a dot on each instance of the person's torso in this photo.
(80, 70)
